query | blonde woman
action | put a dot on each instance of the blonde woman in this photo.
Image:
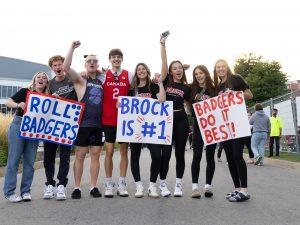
(19, 147)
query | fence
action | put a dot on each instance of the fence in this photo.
(288, 106)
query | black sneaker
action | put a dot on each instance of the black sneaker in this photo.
(231, 194)
(76, 194)
(95, 193)
(240, 197)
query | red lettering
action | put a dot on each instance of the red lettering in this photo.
(215, 133)
(206, 107)
(231, 99)
(198, 109)
(208, 137)
(220, 104)
(211, 120)
(213, 104)
(224, 99)
(223, 131)
(239, 96)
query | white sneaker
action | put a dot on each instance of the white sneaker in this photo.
(26, 197)
(178, 190)
(139, 191)
(61, 193)
(152, 192)
(14, 198)
(122, 191)
(164, 191)
(109, 190)
(49, 192)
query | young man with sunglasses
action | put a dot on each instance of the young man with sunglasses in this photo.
(60, 86)
(116, 82)
(89, 90)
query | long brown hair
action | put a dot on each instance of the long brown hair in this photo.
(217, 80)
(183, 79)
(136, 80)
(208, 82)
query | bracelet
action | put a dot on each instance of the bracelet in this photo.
(162, 44)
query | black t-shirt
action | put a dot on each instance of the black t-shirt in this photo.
(201, 95)
(19, 97)
(146, 91)
(178, 93)
(63, 88)
(234, 83)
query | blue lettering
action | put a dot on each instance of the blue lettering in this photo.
(74, 131)
(48, 128)
(41, 125)
(46, 105)
(66, 127)
(25, 125)
(66, 112)
(144, 110)
(35, 101)
(56, 128)
(134, 106)
(153, 107)
(163, 110)
(124, 106)
(33, 126)
(130, 133)
(54, 109)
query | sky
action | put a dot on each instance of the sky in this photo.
(201, 31)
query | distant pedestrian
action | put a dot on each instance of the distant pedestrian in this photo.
(261, 128)
(276, 129)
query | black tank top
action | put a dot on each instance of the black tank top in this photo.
(93, 104)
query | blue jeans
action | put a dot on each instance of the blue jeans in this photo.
(17, 148)
(258, 142)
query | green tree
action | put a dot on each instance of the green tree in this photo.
(266, 80)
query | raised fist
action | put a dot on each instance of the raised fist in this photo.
(75, 44)
(164, 36)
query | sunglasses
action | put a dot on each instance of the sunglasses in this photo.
(90, 61)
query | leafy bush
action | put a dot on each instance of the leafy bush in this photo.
(5, 121)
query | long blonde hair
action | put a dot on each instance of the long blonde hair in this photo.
(32, 85)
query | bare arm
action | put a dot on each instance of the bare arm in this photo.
(75, 77)
(161, 95)
(248, 94)
(163, 53)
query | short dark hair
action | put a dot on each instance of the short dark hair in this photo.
(258, 107)
(115, 51)
(275, 110)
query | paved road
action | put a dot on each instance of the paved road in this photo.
(275, 193)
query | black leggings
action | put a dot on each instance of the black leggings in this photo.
(248, 145)
(160, 156)
(197, 155)
(236, 163)
(180, 135)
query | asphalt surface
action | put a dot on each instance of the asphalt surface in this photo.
(275, 199)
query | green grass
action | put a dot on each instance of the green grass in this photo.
(292, 157)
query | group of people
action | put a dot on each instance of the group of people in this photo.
(99, 90)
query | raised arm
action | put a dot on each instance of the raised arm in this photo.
(161, 95)
(163, 53)
(75, 77)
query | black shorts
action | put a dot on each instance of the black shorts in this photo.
(89, 136)
(110, 133)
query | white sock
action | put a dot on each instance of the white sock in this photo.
(77, 188)
(91, 188)
(195, 186)
(151, 184)
(108, 179)
(207, 186)
(162, 182)
(139, 183)
(178, 181)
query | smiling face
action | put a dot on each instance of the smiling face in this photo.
(40, 81)
(221, 69)
(200, 77)
(141, 72)
(176, 71)
(116, 61)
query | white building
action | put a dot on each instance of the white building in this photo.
(15, 74)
